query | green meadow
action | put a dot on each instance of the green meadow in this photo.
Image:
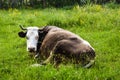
(99, 25)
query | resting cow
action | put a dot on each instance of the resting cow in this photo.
(53, 43)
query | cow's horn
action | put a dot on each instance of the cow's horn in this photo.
(22, 27)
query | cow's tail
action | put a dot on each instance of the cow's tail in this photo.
(91, 62)
(91, 56)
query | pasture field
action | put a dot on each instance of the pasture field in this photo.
(100, 25)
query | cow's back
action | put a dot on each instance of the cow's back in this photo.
(53, 36)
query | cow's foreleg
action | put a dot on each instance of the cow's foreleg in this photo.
(36, 56)
(51, 55)
(48, 59)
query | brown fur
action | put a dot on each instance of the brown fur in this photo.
(64, 43)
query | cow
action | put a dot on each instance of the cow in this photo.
(54, 44)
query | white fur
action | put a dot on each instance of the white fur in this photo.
(89, 64)
(32, 32)
(36, 65)
(87, 43)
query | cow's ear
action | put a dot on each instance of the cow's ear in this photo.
(22, 34)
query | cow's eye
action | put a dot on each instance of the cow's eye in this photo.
(36, 37)
(27, 38)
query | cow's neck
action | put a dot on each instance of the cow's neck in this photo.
(41, 38)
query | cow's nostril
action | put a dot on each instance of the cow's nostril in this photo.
(32, 49)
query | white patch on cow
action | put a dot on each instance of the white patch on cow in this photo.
(32, 37)
(36, 65)
(89, 64)
(87, 43)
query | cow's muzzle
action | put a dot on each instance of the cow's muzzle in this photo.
(31, 49)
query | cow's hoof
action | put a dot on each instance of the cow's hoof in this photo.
(36, 65)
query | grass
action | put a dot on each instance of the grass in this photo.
(100, 25)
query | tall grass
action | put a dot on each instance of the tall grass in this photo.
(100, 25)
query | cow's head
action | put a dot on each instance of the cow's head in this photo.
(32, 36)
